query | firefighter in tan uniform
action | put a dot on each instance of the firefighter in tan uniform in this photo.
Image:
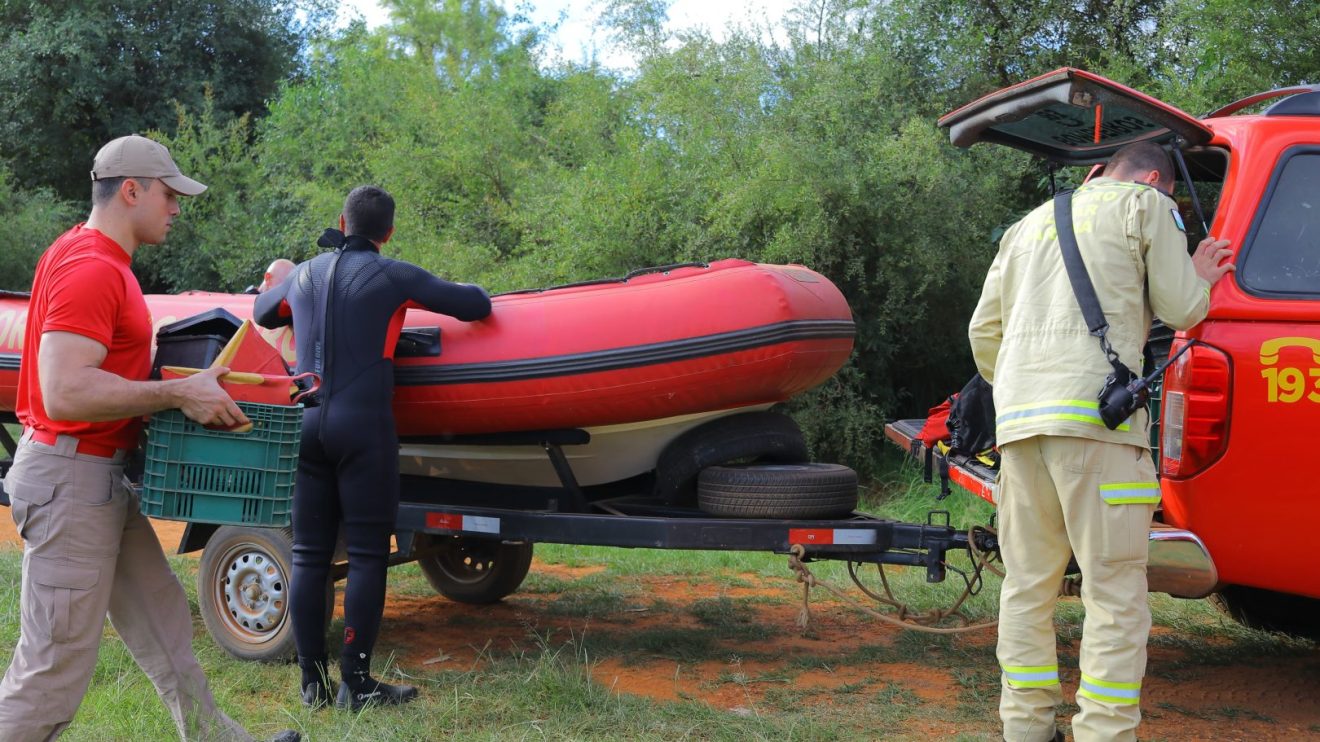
(1067, 484)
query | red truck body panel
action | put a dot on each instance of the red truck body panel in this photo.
(1247, 505)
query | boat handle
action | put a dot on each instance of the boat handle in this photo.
(663, 269)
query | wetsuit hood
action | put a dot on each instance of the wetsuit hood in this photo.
(336, 239)
(358, 242)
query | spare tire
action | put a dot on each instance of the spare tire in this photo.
(745, 437)
(803, 491)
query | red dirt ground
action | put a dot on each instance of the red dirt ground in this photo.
(1266, 698)
(1272, 698)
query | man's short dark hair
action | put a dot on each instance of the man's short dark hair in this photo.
(369, 212)
(104, 189)
(1142, 157)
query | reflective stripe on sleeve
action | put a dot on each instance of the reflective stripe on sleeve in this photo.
(1131, 493)
(1041, 676)
(1076, 410)
(1123, 694)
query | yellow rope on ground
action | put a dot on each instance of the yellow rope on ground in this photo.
(907, 618)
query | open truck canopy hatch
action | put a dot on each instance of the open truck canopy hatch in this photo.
(1072, 117)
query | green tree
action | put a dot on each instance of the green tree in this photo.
(462, 40)
(33, 218)
(1216, 51)
(74, 75)
(225, 237)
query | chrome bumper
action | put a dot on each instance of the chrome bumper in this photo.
(1179, 564)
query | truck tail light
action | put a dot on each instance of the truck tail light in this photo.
(1194, 406)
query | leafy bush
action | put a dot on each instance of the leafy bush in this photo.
(34, 217)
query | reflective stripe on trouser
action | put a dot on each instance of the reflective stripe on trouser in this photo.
(1072, 410)
(1107, 691)
(88, 551)
(1044, 676)
(1053, 504)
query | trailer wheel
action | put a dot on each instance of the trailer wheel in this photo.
(1270, 611)
(778, 491)
(243, 592)
(746, 437)
(476, 571)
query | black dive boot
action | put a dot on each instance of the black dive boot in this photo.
(359, 690)
(317, 690)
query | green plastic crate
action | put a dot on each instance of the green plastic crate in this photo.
(211, 476)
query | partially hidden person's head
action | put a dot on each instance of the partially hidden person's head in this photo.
(136, 180)
(368, 212)
(279, 270)
(1143, 162)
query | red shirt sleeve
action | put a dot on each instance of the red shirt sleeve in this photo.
(85, 297)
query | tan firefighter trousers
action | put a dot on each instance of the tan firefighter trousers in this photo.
(1061, 496)
(88, 551)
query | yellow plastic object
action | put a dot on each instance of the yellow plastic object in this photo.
(233, 377)
(227, 353)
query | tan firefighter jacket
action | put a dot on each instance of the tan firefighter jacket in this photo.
(1028, 336)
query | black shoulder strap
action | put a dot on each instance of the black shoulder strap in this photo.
(1082, 287)
(1072, 260)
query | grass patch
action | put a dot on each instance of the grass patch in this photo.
(732, 619)
(1223, 713)
(407, 580)
(686, 645)
(893, 694)
(596, 600)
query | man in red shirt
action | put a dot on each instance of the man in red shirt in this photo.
(82, 392)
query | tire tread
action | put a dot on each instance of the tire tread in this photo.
(801, 491)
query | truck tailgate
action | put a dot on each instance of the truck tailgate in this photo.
(963, 471)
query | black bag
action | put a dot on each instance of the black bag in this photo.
(972, 418)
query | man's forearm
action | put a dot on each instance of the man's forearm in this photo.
(90, 394)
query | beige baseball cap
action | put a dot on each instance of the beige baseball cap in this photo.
(138, 157)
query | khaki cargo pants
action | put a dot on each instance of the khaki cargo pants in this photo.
(1094, 500)
(88, 550)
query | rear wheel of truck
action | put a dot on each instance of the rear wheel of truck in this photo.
(243, 592)
(1270, 611)
(476, 571)
(778, 491)
(745, 437)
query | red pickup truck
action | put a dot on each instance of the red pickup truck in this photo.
(1239, 411)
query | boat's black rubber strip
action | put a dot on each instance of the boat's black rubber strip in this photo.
(628, 357)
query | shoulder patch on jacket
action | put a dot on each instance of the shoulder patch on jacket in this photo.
(1177, 219)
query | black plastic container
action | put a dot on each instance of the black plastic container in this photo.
(194, 341)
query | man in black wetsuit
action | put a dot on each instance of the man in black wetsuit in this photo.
(347, 310)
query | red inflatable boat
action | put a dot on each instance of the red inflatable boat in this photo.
(657, 344)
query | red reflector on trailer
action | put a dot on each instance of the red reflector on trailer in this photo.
(447, 521)
(831, 536)
(470, 523)
(811, 535)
